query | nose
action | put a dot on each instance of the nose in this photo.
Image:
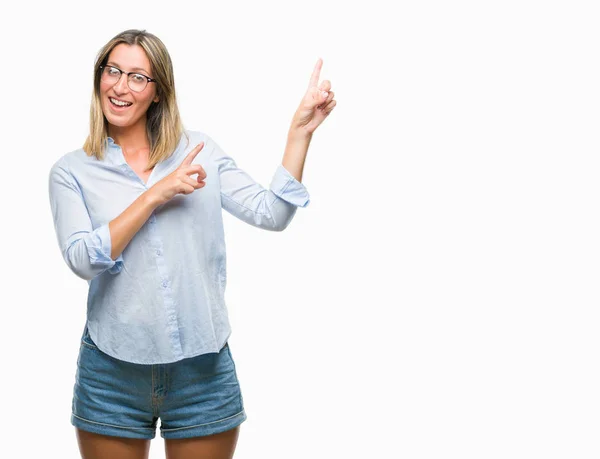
(121, 86)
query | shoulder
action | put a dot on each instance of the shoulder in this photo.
(60, 174)
(71, 166)
(195, 137)
(191, 138)
(68, 160)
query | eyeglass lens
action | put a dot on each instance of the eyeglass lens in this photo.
(135, 81)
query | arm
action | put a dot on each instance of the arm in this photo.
(87, 251)
(126, 225)
(271, 209)
(298, 141)
(316, 105)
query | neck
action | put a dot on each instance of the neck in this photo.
(131, 139)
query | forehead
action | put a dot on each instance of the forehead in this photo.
(129, 57)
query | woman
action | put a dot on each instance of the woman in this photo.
(147, 235)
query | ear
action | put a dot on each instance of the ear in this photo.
(156, 99)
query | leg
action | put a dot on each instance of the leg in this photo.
(217, 446)
(96, 446)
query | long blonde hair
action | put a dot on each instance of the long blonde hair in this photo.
(163, 124)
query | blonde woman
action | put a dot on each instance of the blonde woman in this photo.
(137, 213)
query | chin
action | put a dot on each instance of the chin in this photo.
(117, 122)
(130, 119)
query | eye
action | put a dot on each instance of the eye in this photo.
(112, 71)
(138, 78)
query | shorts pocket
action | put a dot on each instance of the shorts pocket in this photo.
(241, 397)
(85, 339)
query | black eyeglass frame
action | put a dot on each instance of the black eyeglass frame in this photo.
(150, 80)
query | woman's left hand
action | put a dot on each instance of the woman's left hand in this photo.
(317, 103)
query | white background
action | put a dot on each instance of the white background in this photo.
(438, 297)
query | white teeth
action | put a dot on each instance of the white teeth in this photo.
(119, 103)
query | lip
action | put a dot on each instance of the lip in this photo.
(115, 107)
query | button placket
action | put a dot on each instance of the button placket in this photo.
(165, 288)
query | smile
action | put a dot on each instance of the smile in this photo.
(119, 103)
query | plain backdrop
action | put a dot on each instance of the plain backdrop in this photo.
(439, 296)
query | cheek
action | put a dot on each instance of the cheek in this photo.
(147, 97)
(103, 97)
(103, 88)
(143, 103)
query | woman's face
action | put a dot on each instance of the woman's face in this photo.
(128, 58)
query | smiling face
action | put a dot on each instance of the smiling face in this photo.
(128, 58)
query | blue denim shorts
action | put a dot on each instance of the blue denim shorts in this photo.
(192, 397)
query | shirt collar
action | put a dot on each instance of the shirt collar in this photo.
(114, 152)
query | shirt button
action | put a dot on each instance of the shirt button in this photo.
(158, 252)
(164, 284)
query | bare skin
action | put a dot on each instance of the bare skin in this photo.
(138, 163)
(217, 446)
(96, 446)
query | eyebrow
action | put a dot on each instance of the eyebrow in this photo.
(134, 68)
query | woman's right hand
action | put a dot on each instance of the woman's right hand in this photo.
(179, 181)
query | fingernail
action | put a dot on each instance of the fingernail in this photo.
(325, 94)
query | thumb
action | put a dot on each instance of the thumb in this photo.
(318, 96)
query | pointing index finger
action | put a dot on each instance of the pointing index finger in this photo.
(314, 78)
(190, 157)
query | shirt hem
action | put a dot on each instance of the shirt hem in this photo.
(114, 355)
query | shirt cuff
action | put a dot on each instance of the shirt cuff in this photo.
(99, 248)
(285, 186)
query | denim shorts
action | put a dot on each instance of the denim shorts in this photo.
(193, 397)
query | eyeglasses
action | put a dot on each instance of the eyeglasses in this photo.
(136, 81)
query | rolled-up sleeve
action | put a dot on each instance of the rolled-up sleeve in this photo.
(285, 186)
(271, 209)
(85, 250)
(98, 245)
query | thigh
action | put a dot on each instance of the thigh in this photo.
(97, 446)
(216, 446)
